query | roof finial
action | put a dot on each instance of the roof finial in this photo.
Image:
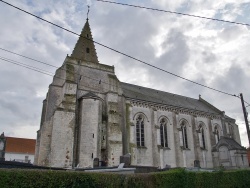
(88, 13)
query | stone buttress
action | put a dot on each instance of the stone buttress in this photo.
(81, 116)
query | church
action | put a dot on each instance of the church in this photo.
(88, 113)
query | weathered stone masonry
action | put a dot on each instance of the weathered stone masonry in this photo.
(88, 113)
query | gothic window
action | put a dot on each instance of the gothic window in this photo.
(163, 133)
(202, 137)
(140, 139)
(216, 134)
(231, 131)
(184, 135)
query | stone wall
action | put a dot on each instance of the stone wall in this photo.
(62, 138)
(90, 122)
(174, 155)
(114, 129)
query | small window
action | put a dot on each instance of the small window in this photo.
(216, 134)
(203, 138)
(184, 135)
(163, 133)
(87, 50)
(203, 143)
(87, 35)
(231, 131)
(140, 131)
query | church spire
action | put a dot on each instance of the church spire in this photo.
(85, 48)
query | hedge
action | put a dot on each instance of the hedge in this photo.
(184, 179)
(12, 178)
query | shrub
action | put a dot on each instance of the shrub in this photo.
(12, 178)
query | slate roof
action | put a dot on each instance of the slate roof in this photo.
(20, 145)
(156, 96)
(229, 142)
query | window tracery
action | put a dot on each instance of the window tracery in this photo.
(231, 131)
(140, 136)
(202, 137)
(184, 135)
(216, 134)
(163, 133)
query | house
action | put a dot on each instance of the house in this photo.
(17, 149)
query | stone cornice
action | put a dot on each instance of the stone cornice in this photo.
(89, 64)
(169, 108)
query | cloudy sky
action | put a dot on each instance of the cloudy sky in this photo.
(209, 52)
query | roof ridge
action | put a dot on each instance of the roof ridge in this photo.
(20, 138)
(161, 91)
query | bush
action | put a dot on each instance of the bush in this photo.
(181, 178)
(12, 178)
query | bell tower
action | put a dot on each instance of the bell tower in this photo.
(85, 48)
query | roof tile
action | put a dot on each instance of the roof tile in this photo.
(20, 145)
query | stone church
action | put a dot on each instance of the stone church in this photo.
(88, 113)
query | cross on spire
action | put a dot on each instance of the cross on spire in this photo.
(88, 13)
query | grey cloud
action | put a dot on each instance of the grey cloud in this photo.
(233, 81)
(208, 57)
(129, 38)
(231, 33)
(175, 58)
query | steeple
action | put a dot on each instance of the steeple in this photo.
(85, 48)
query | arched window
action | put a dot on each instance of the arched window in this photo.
(140, 131)
(202, 137)
(164, 133)
(216, 134)
(184, 134)
(231, 131)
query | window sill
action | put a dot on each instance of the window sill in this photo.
(142, 147)
(204, 149)
(164, 148)
(182, 148)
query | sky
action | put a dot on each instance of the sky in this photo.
(212, 53)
